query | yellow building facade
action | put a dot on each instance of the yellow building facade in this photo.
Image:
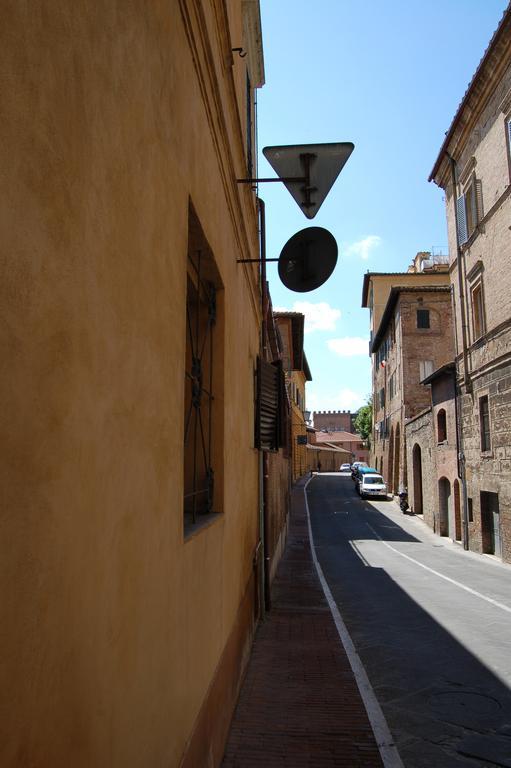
(297, 372)
(130, 479)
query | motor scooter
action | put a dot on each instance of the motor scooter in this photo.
(403, 500)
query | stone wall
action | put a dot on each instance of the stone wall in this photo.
(422, 488)
(489, 471)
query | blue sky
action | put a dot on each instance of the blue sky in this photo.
(388, 76)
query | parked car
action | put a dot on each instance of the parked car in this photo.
(372, 485)
(361, 471)
(355, 466)
(345, 468)
(360, 474)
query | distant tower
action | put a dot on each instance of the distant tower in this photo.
(334, 421)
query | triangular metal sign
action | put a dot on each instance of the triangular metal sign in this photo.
(309, 170)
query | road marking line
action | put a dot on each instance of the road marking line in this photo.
(358, 552)
(388, 750)
(441, 575)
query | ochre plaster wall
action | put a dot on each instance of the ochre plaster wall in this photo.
(114, 116)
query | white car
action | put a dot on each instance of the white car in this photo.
(372, 486)
(345, 468)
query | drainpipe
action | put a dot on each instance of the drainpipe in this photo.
(460, 454)
(459, 259)
(263, 459)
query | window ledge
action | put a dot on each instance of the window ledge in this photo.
(487, 454)
(202, 522)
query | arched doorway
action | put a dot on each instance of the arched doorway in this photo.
(457, 510)
(444, 497)
(417, 479)
(397, 448)
(391, 459)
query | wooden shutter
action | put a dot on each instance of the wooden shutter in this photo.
(267, 428)
(284, 419)
(478, 199)
(462, 220)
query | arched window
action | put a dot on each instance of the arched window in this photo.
(441, 423)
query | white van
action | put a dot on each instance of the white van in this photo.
(372, 485)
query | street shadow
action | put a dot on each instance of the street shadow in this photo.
(338, 496)
(445, 708)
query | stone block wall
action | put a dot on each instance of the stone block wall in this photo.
(489, 471)
(422, 486)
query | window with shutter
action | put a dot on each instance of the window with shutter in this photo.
(268, 432)
(462, 220)
(478, 314)
(473, 205)
(425, 369)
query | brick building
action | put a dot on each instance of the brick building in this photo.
(291, 328)
(431, 457)
(411, 336)
(340, 421)
(354, 445)
(474, 170)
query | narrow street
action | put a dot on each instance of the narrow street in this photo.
(431, 624)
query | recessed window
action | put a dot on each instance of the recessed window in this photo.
(423, 318)
(203, 414)
(484, 423)
(392, 386)
(478, 314)
(469, 209)
(441, 425)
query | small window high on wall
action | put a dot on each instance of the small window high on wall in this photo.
(423, 318)
(484, 423)
(441, 426)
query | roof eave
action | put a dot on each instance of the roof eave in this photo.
(502, 29)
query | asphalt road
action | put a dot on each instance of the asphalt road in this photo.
(431, 624)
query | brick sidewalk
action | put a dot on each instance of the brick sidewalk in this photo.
(299, 704)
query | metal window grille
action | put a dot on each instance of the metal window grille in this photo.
(198, 437)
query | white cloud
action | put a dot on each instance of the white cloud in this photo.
(349, 346)
(349, 400)
(363, 247)
(318, 317)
